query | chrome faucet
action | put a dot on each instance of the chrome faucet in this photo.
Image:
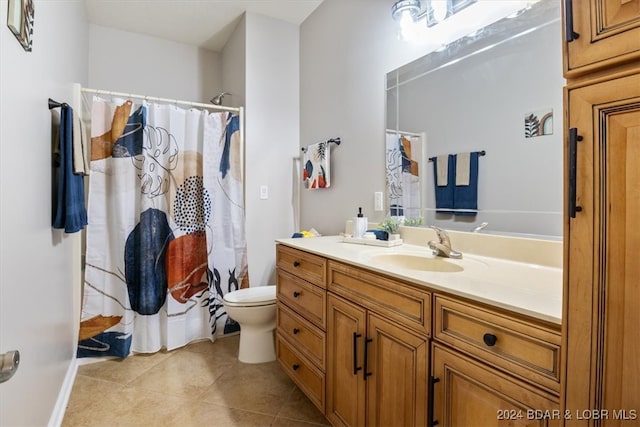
(443, 246)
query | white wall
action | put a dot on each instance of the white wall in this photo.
(346, 50)
(121, 61)
(272, 137)
(37, 276)
(234, 64)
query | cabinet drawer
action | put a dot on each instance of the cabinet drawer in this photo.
(522, 348)
(304, 336)
(397, 301)
(609, 34)
(306, 376)
(308, 300)
(470, 393)
(309, 267)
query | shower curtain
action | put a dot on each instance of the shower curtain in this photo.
(166, 238)
(403, 152)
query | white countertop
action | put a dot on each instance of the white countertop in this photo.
(528, 289)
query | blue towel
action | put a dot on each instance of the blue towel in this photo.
(70, 211)
(444, 195)
(466, 196)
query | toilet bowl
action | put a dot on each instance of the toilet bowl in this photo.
(255, 310)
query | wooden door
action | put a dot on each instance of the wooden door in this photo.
(602, 284)
(397, 369)
(608, 34)
(470, 393)
(345, 355)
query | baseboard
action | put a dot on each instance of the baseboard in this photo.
(63, 397)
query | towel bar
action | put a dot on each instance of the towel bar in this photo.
(480, 153)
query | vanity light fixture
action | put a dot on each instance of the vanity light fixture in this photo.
(438, 22)
(433, 11)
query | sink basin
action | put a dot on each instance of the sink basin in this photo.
(416, 262)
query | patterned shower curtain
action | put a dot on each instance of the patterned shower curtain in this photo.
(166, 238)
(403, 153)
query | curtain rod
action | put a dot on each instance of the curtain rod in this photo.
(401, 132)
(156, 99)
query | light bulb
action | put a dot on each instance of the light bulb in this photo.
(439, 9)
(407, 26)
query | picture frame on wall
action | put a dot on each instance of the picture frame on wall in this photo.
(20, 21)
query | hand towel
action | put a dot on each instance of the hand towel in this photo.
(462, 168)
(316, 160)
(70, 212)
(466, 196)
(442, 170)
(444, 194)
(80, 150)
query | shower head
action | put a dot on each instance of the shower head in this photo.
(217, 100)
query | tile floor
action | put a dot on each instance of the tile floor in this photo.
(202, 384)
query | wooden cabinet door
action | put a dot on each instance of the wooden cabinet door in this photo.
(602, 284)
(346, 323)
(397, 367)
(469, 393)
(608, 34)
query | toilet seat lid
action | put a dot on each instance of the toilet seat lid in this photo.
(259, 295)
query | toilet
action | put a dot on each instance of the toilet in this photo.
(255, 310)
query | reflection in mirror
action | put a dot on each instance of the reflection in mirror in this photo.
(498, 91)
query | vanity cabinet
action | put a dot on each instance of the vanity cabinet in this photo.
(369, 349)
(377, 349)
(602, 281)
(300, 320)
(600, 34)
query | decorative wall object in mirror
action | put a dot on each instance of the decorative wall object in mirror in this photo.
(471, 96)
(20, 15)
(538, 123)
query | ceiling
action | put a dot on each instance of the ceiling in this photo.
(204, 23)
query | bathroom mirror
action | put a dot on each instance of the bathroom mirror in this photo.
(499, 91)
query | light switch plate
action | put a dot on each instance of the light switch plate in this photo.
(377, 201)
(264, 192)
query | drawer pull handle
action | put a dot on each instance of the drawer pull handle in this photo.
(490, 339)
(356, 368)
(574, 138)
(295, 331)
(296, 264)
(570, 34)
(365, 372)
(295, 366)
(430, 413)
(296, 294)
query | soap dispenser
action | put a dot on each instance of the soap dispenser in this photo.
(359, 225)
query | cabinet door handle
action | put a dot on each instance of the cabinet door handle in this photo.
(295, 331)
(295, 366)
(569, 35)
(356, 368)
(296, 264)
(296, 294)
(573, 166)
(490, 339)
(432, 383)
(365, 371)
